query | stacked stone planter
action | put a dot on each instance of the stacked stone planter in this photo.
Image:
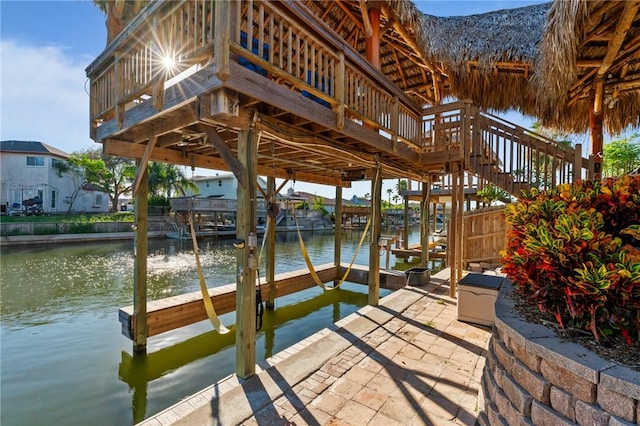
(533, 377)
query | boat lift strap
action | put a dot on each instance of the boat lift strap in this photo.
(312, 270)
(208, 306)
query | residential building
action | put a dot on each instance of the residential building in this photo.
(31, 182)
(223, 186)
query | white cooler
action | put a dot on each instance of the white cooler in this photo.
(477, 295)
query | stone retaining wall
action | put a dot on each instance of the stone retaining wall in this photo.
(533, 377)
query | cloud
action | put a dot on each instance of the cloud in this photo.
(43, 96)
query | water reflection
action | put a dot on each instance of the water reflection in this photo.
(62, 351)
(138, 370)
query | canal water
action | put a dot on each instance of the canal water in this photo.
(63, 359)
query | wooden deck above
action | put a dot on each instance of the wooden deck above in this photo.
(322, 112)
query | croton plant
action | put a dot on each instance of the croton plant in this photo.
(574, 251)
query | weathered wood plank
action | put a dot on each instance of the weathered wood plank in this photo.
(178, 311)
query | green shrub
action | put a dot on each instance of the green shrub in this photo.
(45, 230)
(80, 228)
(574, 252)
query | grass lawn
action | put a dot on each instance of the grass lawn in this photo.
(71, 218)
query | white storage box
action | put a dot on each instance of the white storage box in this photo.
(477, 294)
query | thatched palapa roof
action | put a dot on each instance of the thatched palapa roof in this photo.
(556, 61)
(589, 57)
(489, 57)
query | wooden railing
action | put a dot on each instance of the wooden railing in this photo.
(136, 65)
(282, 42)
(505, 154)
(182, 204)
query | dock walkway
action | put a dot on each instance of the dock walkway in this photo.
(408, 361)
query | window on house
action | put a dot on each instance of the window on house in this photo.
(97, 199)
(35, 161)
(55, 162)
(53, 199)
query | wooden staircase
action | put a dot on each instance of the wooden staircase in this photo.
(496, 151)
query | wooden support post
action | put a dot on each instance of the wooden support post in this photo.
(139, 322)
(460, 230)
(372, 43)
(374, 248)
(246, 256)
(424, 224)
(405, 231)
(452, 246)
(595, 137)
(271, 243)
(337, 231)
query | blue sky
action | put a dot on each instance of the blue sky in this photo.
(45, 47)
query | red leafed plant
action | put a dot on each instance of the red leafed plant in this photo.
(574, 251)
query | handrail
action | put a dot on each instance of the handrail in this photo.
(500, 152)
(264, 35)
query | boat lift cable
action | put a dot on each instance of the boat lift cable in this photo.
(312, 270)
(211, 313)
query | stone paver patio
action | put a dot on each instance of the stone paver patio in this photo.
(405, 362)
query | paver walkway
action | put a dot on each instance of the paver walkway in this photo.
(405, 362)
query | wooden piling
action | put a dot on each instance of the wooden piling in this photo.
(140, 262)
(337, 229)
(246, 274)
(374, 248)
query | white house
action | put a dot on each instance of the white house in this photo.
(30, 181)
(221, 186)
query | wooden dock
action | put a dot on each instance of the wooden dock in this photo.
(416, 251)
(178, 311)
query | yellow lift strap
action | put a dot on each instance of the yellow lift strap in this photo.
(208, 306)
(312, 270)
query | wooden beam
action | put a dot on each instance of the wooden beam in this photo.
(235, 165)
(172, 156)
(366, 21)
(139, 323)
(626, 20)
(356, 22)
(598, 86)
(142, 166)
(244, 81)
(410, 41)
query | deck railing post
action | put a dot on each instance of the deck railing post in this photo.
(577, 162)
(222, 20)
(340, 91)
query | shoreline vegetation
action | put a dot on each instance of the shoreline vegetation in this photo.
(65, 224)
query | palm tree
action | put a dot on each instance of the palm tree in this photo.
(389, 192)
(167, 179)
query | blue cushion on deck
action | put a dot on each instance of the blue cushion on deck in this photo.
(254, 49)
(318, 84)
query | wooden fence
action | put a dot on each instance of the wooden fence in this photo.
(485, 234)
